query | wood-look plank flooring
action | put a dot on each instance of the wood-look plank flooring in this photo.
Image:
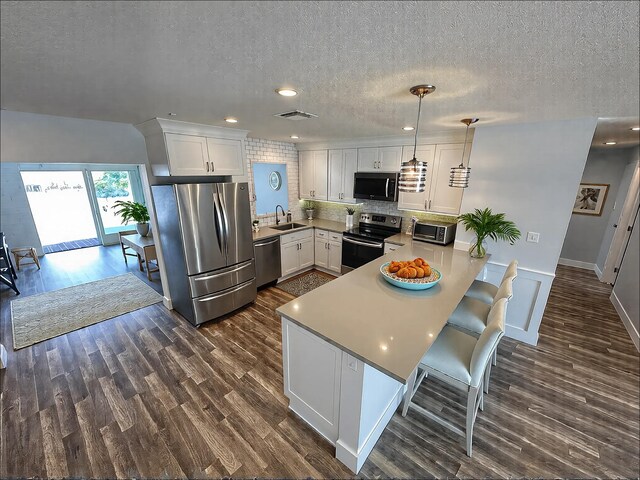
(146, 395)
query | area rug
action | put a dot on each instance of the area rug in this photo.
(47, 315)
(303, 284)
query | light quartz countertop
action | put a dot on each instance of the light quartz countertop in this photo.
(268, 232)
(385, 326)
(400, 239)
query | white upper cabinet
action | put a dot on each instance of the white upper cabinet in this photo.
(189, 149)
(342, 167)
(443, 198)
(225, 156)
(418, 201)
(192, 152)
(379, 159)
(438, 196)
(312, 171)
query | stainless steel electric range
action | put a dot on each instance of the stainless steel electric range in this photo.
(365, 242)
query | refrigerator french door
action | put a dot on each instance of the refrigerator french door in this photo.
(205, 236)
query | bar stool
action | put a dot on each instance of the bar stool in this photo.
(471, 317)
(20, 253)
(460, 360)
(485, 291)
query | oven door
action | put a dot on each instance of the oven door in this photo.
(356, 252)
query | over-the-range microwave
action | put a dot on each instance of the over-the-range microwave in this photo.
(434, 232)
(376, 186)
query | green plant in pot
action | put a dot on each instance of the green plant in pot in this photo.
(134, 211)
(486, 224)
(349, 218)
(309, 207)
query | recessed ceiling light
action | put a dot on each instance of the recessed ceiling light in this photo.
(287, 92)
(610, 143)
(295, 137)
(408, 129)
(635, 129)
(231, 120)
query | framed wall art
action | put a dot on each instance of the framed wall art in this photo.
(590, 198)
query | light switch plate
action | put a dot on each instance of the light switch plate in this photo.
(533, 237)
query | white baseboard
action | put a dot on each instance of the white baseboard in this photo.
(626, 320)
(167, 303)
(599, 273)
(577, 263)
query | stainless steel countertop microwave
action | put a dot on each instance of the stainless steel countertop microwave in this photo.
(441, 233)
(376, 186)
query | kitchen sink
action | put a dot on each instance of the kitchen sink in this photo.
(288, 226)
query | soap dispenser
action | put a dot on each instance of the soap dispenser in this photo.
(288, 216)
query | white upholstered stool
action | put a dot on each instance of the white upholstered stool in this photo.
(461, 360)
(485, 291)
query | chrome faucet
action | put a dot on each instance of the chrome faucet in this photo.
(283, 214)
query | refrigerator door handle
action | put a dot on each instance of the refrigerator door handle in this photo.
(222, 239)
(225, 224)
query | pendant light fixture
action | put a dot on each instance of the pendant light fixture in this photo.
(460, 175)
(413, 173)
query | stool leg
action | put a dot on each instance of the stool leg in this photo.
(17, 257)
(35, 257)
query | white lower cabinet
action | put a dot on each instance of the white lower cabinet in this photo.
(296, 251)
(328, 248)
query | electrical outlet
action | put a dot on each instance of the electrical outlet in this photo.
(533, 237)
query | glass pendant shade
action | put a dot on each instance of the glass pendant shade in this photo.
(459, 177)
(413, 174)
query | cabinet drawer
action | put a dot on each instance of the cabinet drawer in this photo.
(212, 282)
(321, 233)
(296, 236)
(336, 237)
(221, 303)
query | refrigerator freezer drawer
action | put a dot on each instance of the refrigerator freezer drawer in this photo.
(212, 282)
(212, 306)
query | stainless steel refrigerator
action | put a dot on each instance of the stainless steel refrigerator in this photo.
(205, 235)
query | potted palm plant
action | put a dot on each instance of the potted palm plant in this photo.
(486, 224)
(134, 211)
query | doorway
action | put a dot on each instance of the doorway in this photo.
(72, 205)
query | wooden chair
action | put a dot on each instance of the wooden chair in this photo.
(485, 291)
(126, 250)
(460, 360)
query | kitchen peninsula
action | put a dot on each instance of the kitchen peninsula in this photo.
(350, 347)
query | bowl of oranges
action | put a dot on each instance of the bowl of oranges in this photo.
(414, 274)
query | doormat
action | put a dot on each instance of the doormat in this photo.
(304, 284)
(47, 315)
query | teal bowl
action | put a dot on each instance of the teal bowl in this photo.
(409, 284)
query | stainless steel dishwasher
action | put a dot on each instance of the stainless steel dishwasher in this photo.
(267, 253)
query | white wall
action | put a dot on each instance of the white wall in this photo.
(625, 291)
(586, 233)
(34, 138)
(530, 172)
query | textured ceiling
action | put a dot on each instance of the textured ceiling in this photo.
(353, 62)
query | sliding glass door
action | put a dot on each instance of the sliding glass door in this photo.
(77, 200)
(107, 187)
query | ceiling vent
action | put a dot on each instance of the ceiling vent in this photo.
(296, 115)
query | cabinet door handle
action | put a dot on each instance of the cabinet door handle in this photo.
(213, 167)
(207, 166)
(425, 205)
(429, 204)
